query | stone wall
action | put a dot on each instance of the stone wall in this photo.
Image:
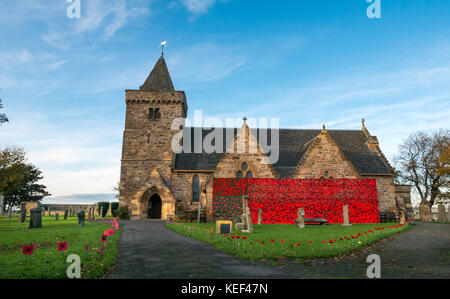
(385, 192)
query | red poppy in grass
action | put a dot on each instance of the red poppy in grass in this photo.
(272, 240)
(330, 241)
(282, 241)
(310, 242)
(323, 242)
(251, 243)
(298, 244)
(104, 238)
(237, 237)
(28, 249)
(62, 246)
(335, 240)
(110, 232)
(352, 236)
(244, 237)
(341, 239)
(345, 237)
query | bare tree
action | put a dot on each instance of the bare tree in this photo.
(3, 118)
(116, 190)
(423, 161)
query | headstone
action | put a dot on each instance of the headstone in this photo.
(36, 217)
(2, 208)
(248, 221)
(50, 211)
(402, 217)
(56, 216)
(239, 226)
(23, 214)
(10, 212)
(81, 218)
(66, 213)
(442, 216)
(425, 213)
(93, 213)
(101, 212)
(199, 213)
(260, 216)
(301, 218)
(346, 216)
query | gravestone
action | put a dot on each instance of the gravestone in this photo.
(36, 217)
(56, 216)
(301, 218)
(248, 221)
(2, 208)
(199, 213)
(260, 216)
(402, 217)
(346, 216)
(66, 213)
(239, 226)
(101, 212)
(442, 216)
(81, 218)
(50, 211)
(23, 214)
(425, 213)
(10, 212)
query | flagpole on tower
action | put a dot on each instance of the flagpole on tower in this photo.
(163, 43)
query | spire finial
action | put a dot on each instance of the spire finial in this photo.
(324, 129)
(163, 43)
(245, 119)
(362, 121)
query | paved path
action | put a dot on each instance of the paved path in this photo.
(147, 249)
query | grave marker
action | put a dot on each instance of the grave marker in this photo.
(81, 218)
(36, 217)
(442, 216)
(260, 212)
(301, 218)
(346, 216)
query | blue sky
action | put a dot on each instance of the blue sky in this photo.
(306, 62)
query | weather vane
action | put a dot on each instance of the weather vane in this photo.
(163, 43)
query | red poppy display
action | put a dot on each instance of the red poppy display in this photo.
(28, 249)
(280, 199)
(62, 246)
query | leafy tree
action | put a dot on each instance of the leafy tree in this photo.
(19, 179)
(424, 162)
(3, 118)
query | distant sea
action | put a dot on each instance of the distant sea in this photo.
(79, 199)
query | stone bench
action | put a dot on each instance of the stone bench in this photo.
(320, 221)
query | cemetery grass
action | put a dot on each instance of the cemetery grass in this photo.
(289, 241)
(46, 261)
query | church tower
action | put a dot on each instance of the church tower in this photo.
(147, 156)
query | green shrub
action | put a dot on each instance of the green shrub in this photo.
(114, 208)
(123, 213)
(105, 206)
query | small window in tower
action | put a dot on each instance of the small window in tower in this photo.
(157, 113)
(326, 173)
(148, 138)
(151, 114)
(244, 166)
(239, 175)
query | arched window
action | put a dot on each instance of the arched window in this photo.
(244, 166)
(195, 189)
(249, 175)
(239, 175)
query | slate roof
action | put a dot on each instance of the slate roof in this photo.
(159, 79)
(293, 145)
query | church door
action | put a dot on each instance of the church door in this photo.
(154, 207)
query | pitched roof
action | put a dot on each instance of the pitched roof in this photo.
(159, 79)
(293, 145)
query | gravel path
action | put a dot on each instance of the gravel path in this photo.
(147, 249)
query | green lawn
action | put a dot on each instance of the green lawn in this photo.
(289, 241)
(47, 261)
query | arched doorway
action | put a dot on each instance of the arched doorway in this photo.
(154, 207)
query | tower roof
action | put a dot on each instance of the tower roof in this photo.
(159, 79)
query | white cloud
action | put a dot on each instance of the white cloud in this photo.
(57, 65)
(198, 7)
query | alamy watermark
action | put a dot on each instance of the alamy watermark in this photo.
(74, 269)
(73, 11)
(374, 269)
(374, 9)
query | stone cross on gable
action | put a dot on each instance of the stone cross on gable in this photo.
(163, 43)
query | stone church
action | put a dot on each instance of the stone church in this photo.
(157, 183)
